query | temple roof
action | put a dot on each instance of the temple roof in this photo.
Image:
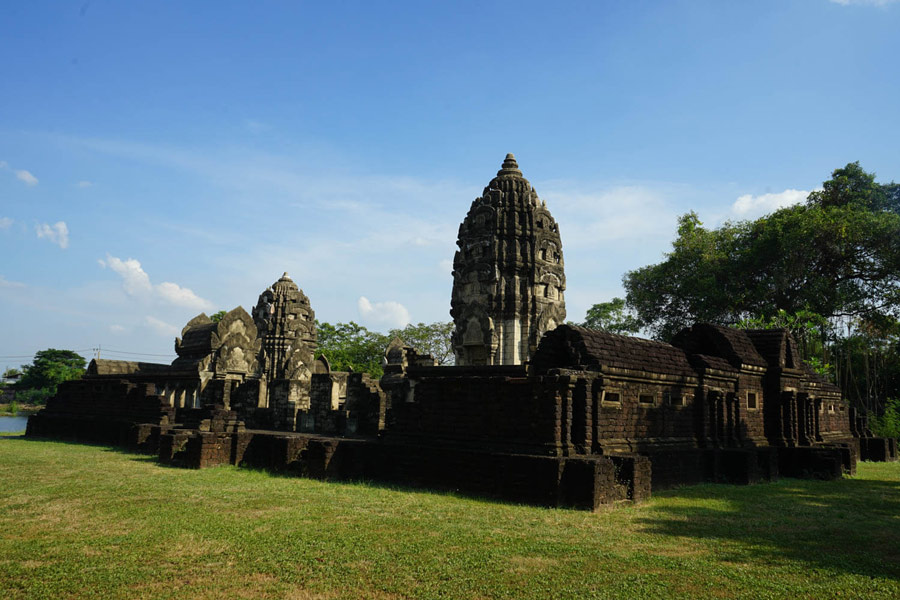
(777, 346)
(510, 167)
(510, 178)
(570, 346)
(285, 284)
(733, 345)
(102, 366)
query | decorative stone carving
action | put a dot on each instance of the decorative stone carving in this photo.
(229, 346)
(287, 325)
(508, 274)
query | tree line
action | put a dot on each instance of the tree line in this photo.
(827, 269)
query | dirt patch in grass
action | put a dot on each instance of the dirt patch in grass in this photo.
(531, 564)
(189, 546)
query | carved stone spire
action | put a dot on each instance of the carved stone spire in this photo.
(287, 325)
(510, 167)
(508, 276)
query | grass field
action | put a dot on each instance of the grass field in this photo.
(80, 521)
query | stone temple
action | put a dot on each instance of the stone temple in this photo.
(508, 278)
(534, 411)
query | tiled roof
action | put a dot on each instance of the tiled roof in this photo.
(570, 346)
(102, 366)
(733, 345)
(777, 346)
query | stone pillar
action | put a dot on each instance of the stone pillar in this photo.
(802, 425)
(718, 401)
(816, 407)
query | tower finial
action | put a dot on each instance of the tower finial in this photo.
(510, 166)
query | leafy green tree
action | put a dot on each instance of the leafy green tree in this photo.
(888, 423)
(867, 361)
(828, 270)
(612, 316)
(810, 330)
(351, 346)
(49, 368)
(692, 284)
(217, 316)
(433, 339)
(836, 255)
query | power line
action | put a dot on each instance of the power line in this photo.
(92, 351)
(32, 355)
(135, 353)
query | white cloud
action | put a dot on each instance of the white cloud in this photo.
(117, 329)
(58, 233)
(749, 206)
(180, 296)
(136, 282)
(5, 222)
(5, 283)
(27, 177)
(21, 174)
(84, 184)
(161, 327)
(391, 314)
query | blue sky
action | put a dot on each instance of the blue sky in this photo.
(158, 159)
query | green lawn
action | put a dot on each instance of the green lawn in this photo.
(79, 521)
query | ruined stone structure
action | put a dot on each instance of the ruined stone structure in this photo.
(287, 327)
(508, 276)
(534, 411)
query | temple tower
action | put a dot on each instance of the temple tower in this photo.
(287, 326)
(508, 276)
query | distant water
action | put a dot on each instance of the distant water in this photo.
(8, 424)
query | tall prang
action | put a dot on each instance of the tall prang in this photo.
(508, 275)
(287, 326)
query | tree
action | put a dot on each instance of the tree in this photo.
(828, 270)
(613, 317)
(867, 360)
(217, 316)
(888, 423)
(50, 368)
(352, 346)
(433, 339)
(810, 330)
(836, 255)
(693, 284)
(349, 346)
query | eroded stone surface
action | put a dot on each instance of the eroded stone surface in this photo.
(508, 274)
(287, 325)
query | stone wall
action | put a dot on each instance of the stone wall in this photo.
(100, 410)
(491, 409)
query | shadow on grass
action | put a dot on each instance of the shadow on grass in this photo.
(850, 525)
(291, 473)
(105, 447)
(847, 525)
